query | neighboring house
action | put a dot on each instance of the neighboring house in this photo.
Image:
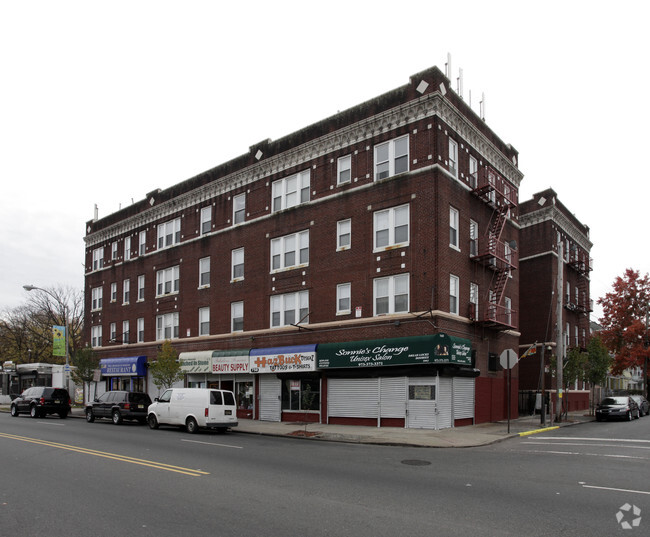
(359, 271)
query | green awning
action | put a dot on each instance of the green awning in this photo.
(436, 349)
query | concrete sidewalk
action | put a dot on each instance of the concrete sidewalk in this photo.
(469, 436)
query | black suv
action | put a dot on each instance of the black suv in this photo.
(42, 400)
(119, 406)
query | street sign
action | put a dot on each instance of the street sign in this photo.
(508, 359)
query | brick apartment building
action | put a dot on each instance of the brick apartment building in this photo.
(361, 270)
(545, 225)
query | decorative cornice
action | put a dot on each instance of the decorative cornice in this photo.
(553, 214)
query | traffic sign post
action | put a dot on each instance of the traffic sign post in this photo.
(508, 360)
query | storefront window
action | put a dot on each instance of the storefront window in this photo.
(301, 394)
(422, 392)
(245, 395)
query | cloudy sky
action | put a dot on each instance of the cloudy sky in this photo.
(102, 102)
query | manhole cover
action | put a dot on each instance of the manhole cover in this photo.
(416, 462)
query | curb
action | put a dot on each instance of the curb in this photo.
(535, 431)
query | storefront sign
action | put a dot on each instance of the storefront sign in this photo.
(195, 362)
(235, 361)
(436, 349)
(283, 359)
(129, 366)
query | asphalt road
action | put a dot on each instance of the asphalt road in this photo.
(70, 478)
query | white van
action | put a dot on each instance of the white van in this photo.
(194, 408)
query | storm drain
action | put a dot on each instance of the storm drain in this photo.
(415, 462)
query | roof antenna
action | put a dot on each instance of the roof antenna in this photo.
(482, 103)
(448, 66)
(459, 83)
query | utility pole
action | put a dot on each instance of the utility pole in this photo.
(559, 349)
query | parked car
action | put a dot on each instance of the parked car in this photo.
(119, 406)
(194, 408)
(644, 406)
(40, 401)
(619, 407)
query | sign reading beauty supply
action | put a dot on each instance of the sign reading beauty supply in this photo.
(283, 359)
(436, 349)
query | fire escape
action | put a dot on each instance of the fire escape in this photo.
(582, 264)
(494, 253)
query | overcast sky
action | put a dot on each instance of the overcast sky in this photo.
(102, 102)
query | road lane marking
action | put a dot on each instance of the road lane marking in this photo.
(107, 455)
(616, 490)
(211, 444)
(632, 440)
(534, 443)
(551, 452)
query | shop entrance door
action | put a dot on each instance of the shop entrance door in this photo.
(422, 403)
(270, 398)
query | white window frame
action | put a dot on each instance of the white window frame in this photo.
(290, 191)
(453, 157)
(141, 287)
(239, 208)
(97, 294)
(204, 272)
(344, 170)
(290, 251)
(344, 234)
(114, 251)
(169, 233)
(140, 326)
(289, 309)
(454, 289)
(205, 223)
(98, 258)
(126, 332)
(126, 291)
(507, 302)
(114, 292)
(473, 297)
(127, 248)
(96, 336)
(390, 223)
(473, 238)
(142, 243)
(390, 158)
(454, 219)
(167, 326)
(237, 316)
(204, 321)
(112, 331)
(237, 265)
(168, 281)
(473, 172)
(388, 293)
(344, 299)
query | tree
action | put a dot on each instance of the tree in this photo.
(598, 364)
(624, 321)
(166, 369)
(85, 364)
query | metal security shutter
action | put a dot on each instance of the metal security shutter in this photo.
(353, 398)
(270, 392)
(392, 393)
(444, 402)
(463, 398)
(423, 414)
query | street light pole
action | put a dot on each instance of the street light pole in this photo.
(65, 322)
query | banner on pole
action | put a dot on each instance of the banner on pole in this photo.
(58, 340)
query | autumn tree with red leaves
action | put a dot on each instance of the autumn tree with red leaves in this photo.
(624, 321)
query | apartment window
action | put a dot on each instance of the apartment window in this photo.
(473, 172)
(169, 233)
(576, 332)
(290, 251)
(391, 227)
(391, 294)
(344, 170)
(204, 272)
(114, 251)
(453, 294)
(343, 300)
(290, 308)
(167, 326)
(204, 321)
(140, 323)
(473, 300)
(453, 228)
(391, 158)
(127, 248)
(141, 288)
(167, 281)
(126, 334)
(237, 316)
(114, 292)
(98, 258)
(97, 294)
(453, 157)
(206, 220)
(142, 242)
(112, 330)
(473, 238)
(239, 208)
(126, 292)
(508, 307)
(291, 191)
(343, 234)
(96, 336)
(237, 257)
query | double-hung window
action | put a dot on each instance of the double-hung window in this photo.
(98, 258)
(96, 336)
(391, 294)
(343, 234)
(204, 321)
(290, 191)
(290, 251)
(237, 316)
(343, 300)
(126, 291)
(167, 326)
(237, 265)
(140, 329)
(112, 332)
(473, 238)
(167, 281)
(473, 300)
(169, 233)
(126, 333)
(114, 292)
(391, 227)
(142, 242)
(127, 248)
(453, 157)
(97, 293)
(344, 170)
(204, 272)
(114, 251)
(290, 308)
(391, 157)
(239, 209)
(453, 228)
(206, 220)
(453, 294)
(141, 288)
(473, 172)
